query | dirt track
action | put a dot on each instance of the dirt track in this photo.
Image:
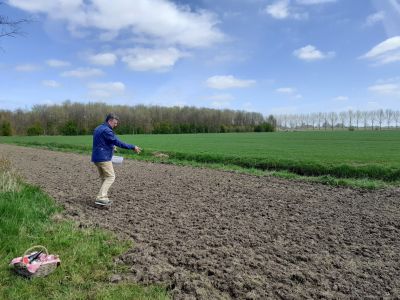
(217, 235)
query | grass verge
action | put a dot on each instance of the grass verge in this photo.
(365, 177)
(86, 254)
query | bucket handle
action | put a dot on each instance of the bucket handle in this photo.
(43, 248)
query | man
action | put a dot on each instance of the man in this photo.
(104, 141)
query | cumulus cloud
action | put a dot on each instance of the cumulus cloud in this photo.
(278, 10)
(375, 18)
(160, 20)
(51, 83)
(286, 90)
(391, 20)
(310, 53)
(26, 68)
(83, 73)
(227, 82)
(385, 52)
(56, 63)
(105, 90)
(341, 98)
(147, 59)
(289, 91)
(110, 86)
(283, 10)
(103, 59)
(386, 89)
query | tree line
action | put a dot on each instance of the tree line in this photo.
(79, 119)
(375, 120)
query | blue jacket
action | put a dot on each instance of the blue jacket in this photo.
(104, 141)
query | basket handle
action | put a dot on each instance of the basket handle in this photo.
(34, 247)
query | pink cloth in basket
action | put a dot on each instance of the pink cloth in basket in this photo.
(42, 260)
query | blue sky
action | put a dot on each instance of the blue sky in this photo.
(281, 56)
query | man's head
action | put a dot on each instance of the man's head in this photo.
(112, 119)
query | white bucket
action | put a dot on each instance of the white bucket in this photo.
(117, 160)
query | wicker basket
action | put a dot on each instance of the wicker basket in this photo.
(43, 267)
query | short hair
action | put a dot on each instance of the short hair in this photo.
(112, 116)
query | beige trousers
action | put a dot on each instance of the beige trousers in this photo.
(107, 177)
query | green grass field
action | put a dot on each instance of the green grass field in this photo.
(371, 155)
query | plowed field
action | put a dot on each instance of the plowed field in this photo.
(210, 234)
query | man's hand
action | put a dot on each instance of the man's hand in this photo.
(137, 149)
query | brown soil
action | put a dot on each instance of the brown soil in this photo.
(210, 234)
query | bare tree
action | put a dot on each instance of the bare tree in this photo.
(389, 116)
(343, 118)
(313, 118)
(283, 121)
(358, 117)
(10, 28)
(350, 114)
(325, 120)
(396, 117)
(307, 120)
(333, 118)
(320, 118)
(381, 116)
(365, 116)
(372, 117)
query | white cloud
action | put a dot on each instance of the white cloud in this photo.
(110, 86)
(26, 68)
(281, 9)
(312, 2)
(389, 80)
(386, 89)
(108, 36)
(310, 53)
(83, 73)
(341, 98)
(105, 90)
(289, 91)
(55, 63)
(160, 20)
(392, 43)
(103, 59)
(278, 10)
(385, 52)
(286, 90)
(44, 6)
(146, 59)
(227, 82)
(375, 18)
(51, 83)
